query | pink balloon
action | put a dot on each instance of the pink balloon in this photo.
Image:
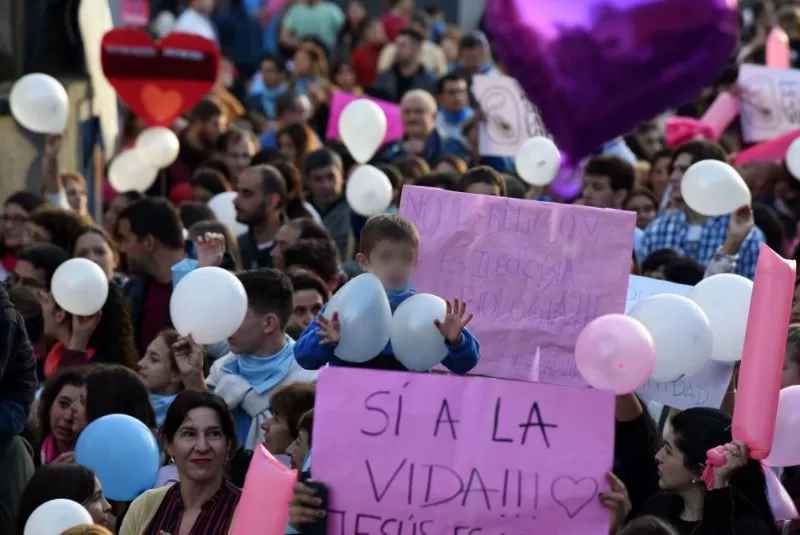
(779, 500)
(268, 481)
(777, 51)
(762, 357)
(786, 443)
(615, 352)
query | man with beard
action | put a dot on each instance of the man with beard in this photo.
(259, 204)
(198, 141)
(150, 235)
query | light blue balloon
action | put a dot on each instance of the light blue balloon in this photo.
(123, 453)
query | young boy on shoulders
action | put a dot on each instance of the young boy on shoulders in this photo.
(390, 249)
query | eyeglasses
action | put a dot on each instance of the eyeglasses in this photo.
(15, 219)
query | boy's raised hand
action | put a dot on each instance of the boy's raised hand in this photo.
(328, 329)
(454, 321)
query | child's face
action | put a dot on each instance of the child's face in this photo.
(392, 262)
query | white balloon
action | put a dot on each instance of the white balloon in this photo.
(793, 158)
(416, 342)
(681, 332)
(40, 103)
(80, 287)
(129, 172)
(538, 161)
(364, 318)
(362, 125)
(368, 191)
(57, 516)
(209, 303)
(725, 299)
(713, 188)
(158, 146)
(222, 206)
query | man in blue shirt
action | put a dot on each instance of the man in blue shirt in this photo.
(699, 237)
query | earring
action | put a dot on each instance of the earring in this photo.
(694, 481)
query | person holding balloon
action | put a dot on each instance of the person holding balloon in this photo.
(103, 337)
(705, 225)
(262, 355)
(199, 435)
(389, 251)
(736, 500)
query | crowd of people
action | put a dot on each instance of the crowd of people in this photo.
(262, 134)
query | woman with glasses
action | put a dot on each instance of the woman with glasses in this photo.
(14, 221)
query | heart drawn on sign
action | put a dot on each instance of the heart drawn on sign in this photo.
(573, 494)
(159, 81)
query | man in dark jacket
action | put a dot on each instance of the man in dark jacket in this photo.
(17, 391)
(407, 72)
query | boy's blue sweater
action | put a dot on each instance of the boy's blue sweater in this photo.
(312, 356)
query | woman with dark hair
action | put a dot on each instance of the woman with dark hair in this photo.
(735, 503)
(105, 337)
(295, 141)
(199, 435)
(14, 221)
(69, 482)
(114, 389)
(59, 227)
(61, 416)
(95, 244)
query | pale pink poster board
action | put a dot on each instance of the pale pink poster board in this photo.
(456, 455)
(534, 274)
(340, 99)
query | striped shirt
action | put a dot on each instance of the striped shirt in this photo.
(215, 518)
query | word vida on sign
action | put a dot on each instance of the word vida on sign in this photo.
(534, 274)
(426, 454)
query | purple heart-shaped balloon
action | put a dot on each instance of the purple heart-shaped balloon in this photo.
(596, 68)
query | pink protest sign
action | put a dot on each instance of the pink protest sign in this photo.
(426, 454)
(340, 99)
(534, 274)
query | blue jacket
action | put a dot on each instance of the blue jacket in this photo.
(436, 146)
(312, 356)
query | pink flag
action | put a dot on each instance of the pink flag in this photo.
(777, 49)
(340, 99)
(721, 113)
(264, 505)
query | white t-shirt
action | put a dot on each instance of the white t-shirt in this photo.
(191, 21)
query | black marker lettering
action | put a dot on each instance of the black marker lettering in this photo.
(422, 527)
(372, 408)
(538, 423)
(445, 408)
(496, 423)
(379, 495)
(359, 516)
(476, 480)
(429, 485)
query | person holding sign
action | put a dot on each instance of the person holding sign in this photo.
(390, 249)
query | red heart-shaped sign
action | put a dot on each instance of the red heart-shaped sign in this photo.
(159, 81)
